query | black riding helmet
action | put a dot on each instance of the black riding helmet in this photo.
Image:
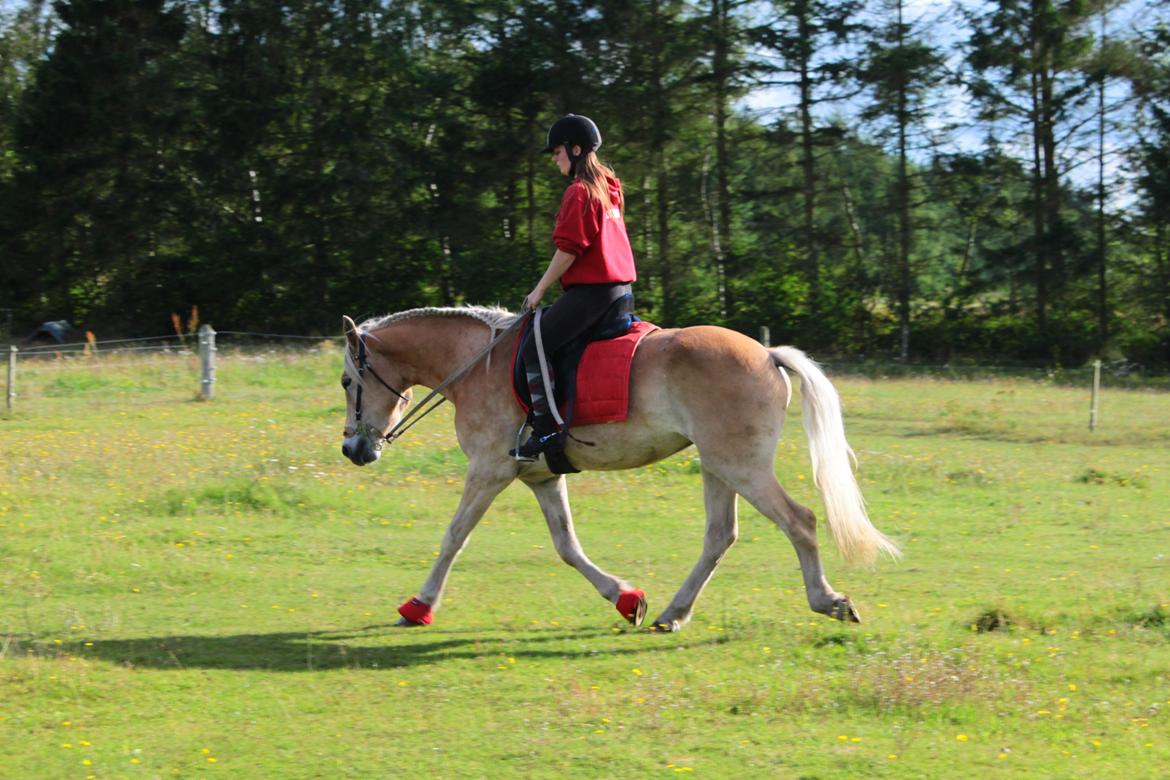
(573, 130)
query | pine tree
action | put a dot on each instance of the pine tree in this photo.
(98, 195)
(1024, 56)
(1152, 83)
(806, 42)
(901, 69)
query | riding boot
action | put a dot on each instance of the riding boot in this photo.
(544, 427)
(544, 433)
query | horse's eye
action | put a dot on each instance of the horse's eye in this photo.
(345, 380)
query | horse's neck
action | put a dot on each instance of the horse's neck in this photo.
(430, 349)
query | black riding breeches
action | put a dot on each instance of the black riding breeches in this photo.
(576, 311)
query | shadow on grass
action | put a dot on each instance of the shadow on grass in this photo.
(370, 647)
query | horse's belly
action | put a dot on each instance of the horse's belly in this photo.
(620, 446)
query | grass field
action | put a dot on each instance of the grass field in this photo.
(207, 589)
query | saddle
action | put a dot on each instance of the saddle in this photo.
(564, 365)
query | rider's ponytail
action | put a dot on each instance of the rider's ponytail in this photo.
(595, 175)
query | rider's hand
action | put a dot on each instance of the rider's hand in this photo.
(531, 301)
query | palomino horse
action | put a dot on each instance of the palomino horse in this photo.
(707, 386)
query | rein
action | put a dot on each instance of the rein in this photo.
(405, 423)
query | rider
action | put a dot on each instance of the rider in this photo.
(593, 261)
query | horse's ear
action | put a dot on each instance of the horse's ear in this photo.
(350, 328)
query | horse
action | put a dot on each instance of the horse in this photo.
(706, 386)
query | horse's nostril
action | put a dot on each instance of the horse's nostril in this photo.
(345, 450)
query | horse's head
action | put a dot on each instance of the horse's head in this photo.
(373, 402)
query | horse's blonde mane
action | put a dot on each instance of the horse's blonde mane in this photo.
(494, 317)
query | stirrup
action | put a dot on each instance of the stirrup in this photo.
(535, 446)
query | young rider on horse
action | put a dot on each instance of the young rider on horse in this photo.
(593, 261)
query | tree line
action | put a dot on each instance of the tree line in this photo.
(985, 179)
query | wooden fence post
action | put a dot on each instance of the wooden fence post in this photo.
(765, 335)
(207, 361)
(1096, 393)
(11, 376)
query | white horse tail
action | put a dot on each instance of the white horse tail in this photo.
(855, 535)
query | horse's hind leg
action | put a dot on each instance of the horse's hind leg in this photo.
(722, 531)
(553, 497)
(799, 524)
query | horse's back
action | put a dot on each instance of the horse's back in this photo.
(708, 362)
(708, 375)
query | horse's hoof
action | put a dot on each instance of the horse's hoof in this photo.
(404, 623)
(844, 611)
(664, 627)
(415, 613)
(632, 606)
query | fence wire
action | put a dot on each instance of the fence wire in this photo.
(145, 371)
(1114, 374)
(153, 370)
(271, 335)
(82, 346)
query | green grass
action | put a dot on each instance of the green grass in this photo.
(207, 589)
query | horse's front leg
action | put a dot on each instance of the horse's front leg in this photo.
(553, 496)
(480, 488)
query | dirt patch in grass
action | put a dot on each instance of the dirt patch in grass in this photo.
(992, 620)
(930, 678)
(1093, 476)
(1156, 617)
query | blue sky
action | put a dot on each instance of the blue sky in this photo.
(954, 121)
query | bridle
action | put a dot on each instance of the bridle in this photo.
(361, 361)
(405, 423)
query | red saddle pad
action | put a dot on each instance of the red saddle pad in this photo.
(603, 378)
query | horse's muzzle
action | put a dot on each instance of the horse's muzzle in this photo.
(359, 449)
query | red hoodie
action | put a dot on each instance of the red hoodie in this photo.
(597, 240)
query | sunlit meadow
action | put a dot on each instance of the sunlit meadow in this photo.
(208, 589)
